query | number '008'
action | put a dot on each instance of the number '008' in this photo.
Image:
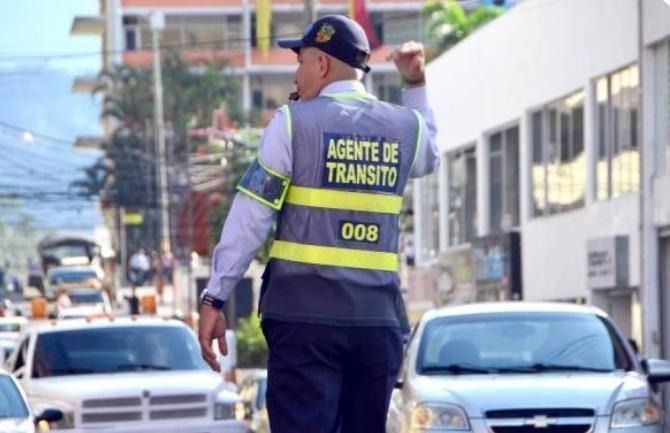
(360, 232)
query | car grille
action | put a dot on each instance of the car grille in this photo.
(154, 408)
(541, 420)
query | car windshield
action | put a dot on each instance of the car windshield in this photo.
(115, 350)
(520, 343)
(86, 298)
(11, 402)
(71, 276)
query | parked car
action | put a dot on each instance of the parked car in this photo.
(252, 407)
(523, 367)
(85, 302)
(124, 375)
(16, 415)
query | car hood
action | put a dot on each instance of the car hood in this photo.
(480, 393)
(16, 425)
(73, 389)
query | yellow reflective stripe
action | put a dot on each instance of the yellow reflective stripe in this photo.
(344, 200)
(419, 136)
(350, 95)
(332, 256)
(289, 122)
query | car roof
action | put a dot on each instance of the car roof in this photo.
(71, 269)
(13, 319)
(49, 326)
(513, 307)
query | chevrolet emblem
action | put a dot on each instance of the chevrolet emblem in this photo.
(540, 421)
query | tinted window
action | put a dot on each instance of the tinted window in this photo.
(114, 350)
(86, 298)
(71, 276)
(505, 340)
(11, 403)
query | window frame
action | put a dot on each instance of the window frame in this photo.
(462, 151)
(503, 130)
(557, 107)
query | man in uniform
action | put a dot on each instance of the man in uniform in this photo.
(333, 166)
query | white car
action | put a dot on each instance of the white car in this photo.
(85, 302)
(130, 375)
(11, 327)
(524, 367)
(15, 413)
(71, 276)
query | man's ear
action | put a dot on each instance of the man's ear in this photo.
(324, 65)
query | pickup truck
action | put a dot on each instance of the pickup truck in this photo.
(130, 375)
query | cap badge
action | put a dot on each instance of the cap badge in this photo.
(325, 33)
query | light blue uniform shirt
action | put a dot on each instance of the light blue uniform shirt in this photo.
(249, 221)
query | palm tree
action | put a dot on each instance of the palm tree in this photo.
(449, 24)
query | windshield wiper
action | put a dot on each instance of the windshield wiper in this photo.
(456, 369)
(541, 367)
(125, 367)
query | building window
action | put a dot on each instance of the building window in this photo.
(429, 225)
(462, 184)
(558, 167)
(387, 87)
(617, 135)
(131, 32)
(504, 179)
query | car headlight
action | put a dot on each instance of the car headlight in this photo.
(635, 413)
(224, 411)
(67, 422)
(439, 416)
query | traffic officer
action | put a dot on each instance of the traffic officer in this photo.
(334, 166)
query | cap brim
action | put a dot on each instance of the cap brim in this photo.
(294, 44)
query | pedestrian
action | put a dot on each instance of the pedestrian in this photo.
(334, 166)
(139, 267)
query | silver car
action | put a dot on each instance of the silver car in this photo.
(524, 367)
(16, 415)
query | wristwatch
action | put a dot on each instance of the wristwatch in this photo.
(207, 299)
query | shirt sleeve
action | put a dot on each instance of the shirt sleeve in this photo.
(249, 221)
(428, 155)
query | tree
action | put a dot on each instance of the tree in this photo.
(449, 24)
(126, 175)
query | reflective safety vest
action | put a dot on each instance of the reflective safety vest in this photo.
(352, 156)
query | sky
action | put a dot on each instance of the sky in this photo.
(38, 61)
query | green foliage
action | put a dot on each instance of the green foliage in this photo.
(252, 350)
(449, 24)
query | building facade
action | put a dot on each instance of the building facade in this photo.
(555, 182)
(205, 30)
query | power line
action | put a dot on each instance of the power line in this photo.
(36, 134)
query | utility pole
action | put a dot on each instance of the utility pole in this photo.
(157, 24)
(310, 11)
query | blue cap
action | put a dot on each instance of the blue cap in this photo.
(337, 35)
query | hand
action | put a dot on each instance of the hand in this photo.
(212, 325)
(410, 60)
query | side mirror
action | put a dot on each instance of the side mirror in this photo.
(658, 370)
(20, 372)
(49, 415)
